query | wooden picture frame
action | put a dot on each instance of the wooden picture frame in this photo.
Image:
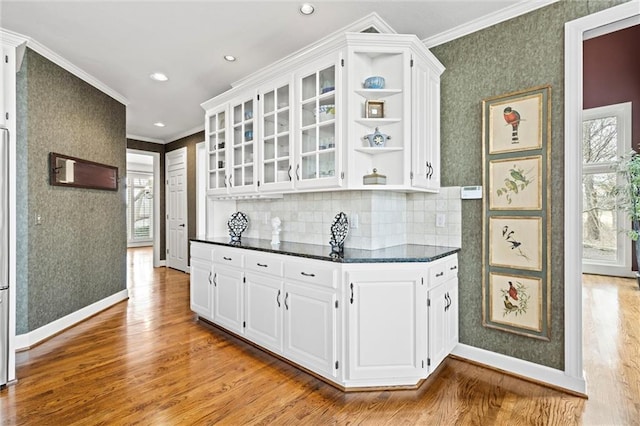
(65, 170)
(516, 242)
(374, 109)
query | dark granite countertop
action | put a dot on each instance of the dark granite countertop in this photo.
(401, 253)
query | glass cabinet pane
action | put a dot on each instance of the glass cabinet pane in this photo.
(276, 117)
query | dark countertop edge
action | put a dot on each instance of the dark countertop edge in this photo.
(446, 251)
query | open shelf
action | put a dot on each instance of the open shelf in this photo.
(379, 150)
(377, 121)
(377, 93)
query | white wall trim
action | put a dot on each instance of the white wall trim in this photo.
(486, 21)
(526, 369)
(201, 188)
(146, 139)
(24, 341)
(186, 133)
(573, 102)
(63, 63)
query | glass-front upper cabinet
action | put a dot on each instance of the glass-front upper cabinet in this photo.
(242, 153)
(317, 159)
(276, 140)
(216, 140)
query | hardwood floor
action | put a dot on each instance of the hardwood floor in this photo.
(149, 361)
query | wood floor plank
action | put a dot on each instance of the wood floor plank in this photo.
(148, 360)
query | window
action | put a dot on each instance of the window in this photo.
(605, 137)
(139, 208)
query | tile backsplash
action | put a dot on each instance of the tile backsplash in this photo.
(383, 218)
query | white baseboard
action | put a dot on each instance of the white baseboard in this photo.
(25, 341)
(522, 368)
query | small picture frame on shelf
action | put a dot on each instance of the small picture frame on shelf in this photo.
(374, 109)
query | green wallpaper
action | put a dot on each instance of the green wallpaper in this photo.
(524, 52)
(77, 255)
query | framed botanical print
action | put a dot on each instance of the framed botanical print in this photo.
(515, 183)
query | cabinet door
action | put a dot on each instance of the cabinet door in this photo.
(227, 299)
(425, 126)
(201, 288)
(387, 324)
(438, 340)
(451, 330)
(242, 151)
(216, 128)
(318, 159)
(276, 138)
(310, 327)
(264, 298)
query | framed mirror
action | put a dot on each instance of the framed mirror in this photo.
(70, 171)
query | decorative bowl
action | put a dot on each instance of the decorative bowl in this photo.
(374, 82)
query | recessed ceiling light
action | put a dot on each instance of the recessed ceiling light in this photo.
(307, 9)
(158, 76)
(229, 58)
(158, 124)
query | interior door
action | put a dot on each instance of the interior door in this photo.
(176, 206)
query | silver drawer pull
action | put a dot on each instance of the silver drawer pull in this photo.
(226, 258)
(262, 265)
(308, 275)
(440, 274)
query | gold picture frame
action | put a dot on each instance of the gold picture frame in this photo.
(515, 122)
(374, 109)
(516, 242)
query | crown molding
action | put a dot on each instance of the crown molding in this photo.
(146, 139)
(486, 21)
(13, 38)
(186, 133)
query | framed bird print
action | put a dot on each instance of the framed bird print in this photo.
(515, 242)
(515, 121)
(516, 304)
(516, 222)
(516, 183)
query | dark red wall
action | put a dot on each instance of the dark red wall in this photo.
(612, 73)
(612, 76)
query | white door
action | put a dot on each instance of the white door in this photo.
(228, 298)
(176, 194)
(438, 340)
(606, 249)
(264, 299)
(201, 288)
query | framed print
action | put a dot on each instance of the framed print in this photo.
(374, 109)
(516, 242)
(516, 121)
(516, 204)
(518, 304)
(515, 183)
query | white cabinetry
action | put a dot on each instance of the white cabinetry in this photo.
(357, 325)
(201, 290)
(387, 324)
(310, 336)
(443, 310)
(306, 128)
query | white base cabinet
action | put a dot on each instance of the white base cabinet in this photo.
(386, 324)
(356, 325)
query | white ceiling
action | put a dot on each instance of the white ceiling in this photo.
(121, 43)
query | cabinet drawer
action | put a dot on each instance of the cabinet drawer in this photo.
(228, 256)
(311, 273)
(442, 270)
(265, 264)
(202, 251)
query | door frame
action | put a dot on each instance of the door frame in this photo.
(181, 152)
(156, 203)
(201, 188)
(575, 32)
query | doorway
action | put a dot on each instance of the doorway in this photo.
(624, 15)
(176, 208)
(151, 159)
